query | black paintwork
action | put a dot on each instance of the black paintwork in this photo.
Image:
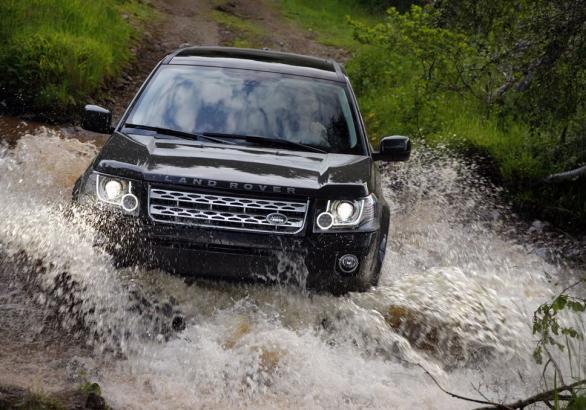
(97, 118)
(249, 169)
(182, 162)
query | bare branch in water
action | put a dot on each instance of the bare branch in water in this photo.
(566, 176)
(544, 397)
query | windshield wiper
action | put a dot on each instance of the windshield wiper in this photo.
(175, 133)
(223, 137)
(275, 142)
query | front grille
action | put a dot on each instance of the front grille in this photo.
(225, 212)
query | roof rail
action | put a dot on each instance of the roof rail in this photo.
(264, 54)
(339, 71)
(173, 53)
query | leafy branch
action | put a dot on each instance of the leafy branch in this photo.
(547, 325)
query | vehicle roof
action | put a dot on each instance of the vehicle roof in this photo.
(259, 60)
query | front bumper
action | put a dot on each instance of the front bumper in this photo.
(310, 260)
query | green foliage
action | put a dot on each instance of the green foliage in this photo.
(410, 66)
(535, 49)
(546, 323)
(382, 5)
(551, 331)
(415, 35)
(501, 78)
(413, 78)
(578, 403)
(491, 79)
(55, 53)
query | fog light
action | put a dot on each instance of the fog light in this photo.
(325, 220)
(129, 202)
(348, 263)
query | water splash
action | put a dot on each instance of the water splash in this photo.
(48, 247)
(457, 293)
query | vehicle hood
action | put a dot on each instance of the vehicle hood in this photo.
(250, 168)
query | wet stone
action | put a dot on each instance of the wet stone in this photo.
(167, 310)
(178, 324)
(95, 402)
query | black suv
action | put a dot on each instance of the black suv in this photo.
(243, 164)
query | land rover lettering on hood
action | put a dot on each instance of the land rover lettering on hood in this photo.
(229, 161)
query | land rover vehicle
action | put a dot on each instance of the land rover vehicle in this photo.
(238, 163)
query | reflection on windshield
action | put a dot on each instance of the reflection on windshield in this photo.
(233, 101)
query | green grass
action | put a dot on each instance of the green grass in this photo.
(328, 19)
(456, 122)
(56, 53)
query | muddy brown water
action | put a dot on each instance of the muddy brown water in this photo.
(13, 128)
(456, 297)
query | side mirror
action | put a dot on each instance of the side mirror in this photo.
(97, 119)
(395, 148)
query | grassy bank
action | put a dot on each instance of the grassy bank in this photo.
(56, 53)
(328, 19)
(415, 77)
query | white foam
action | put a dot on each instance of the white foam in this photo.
(450, 273)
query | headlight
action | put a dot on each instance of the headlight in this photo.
(347, 215)
(116, 191)
(113, 189)
(345, 211)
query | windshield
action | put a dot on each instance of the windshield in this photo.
(195, 99)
